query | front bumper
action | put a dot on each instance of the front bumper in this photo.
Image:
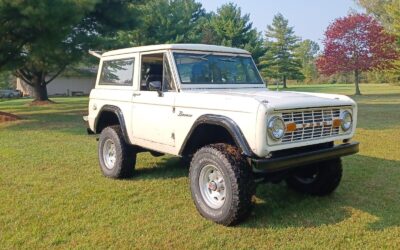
(269, 165)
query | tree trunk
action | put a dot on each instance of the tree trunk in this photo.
(284, 82)
(39, 88)
(357, 81)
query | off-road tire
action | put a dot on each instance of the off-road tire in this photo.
(185, 161)
(125, 154)
(237, 174)
(327, 178)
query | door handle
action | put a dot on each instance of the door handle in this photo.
(136, 94)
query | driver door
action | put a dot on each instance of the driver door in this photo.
(153, 103)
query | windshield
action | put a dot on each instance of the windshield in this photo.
(216, 69)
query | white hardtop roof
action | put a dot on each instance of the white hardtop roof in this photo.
(193, 47)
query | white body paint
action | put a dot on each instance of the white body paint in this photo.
(162, 123)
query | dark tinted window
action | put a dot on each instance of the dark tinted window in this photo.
(117, 72)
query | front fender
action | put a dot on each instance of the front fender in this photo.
(225, 122)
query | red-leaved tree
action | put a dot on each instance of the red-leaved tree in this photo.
(356, 43)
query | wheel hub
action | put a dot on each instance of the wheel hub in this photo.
(109, 154)
(212, 186)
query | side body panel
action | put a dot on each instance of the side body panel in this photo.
(111, 95)
(152, 117)
(190, 107)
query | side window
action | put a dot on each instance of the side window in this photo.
(156, 73)
(117, 72)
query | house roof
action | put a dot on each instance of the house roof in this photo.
(198, 47)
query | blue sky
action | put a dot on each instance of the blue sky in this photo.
(310, 18)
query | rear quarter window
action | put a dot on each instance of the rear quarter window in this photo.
(117, 72)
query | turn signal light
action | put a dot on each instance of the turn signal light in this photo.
(290, 127)
(336, 123)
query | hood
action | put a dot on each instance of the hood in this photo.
(282, 99)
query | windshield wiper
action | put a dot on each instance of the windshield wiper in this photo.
(203, 57)
(230, 59)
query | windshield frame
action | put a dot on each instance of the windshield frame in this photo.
(215, 85)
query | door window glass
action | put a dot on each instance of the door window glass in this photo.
(156, 73)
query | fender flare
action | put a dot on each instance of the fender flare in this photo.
(225, 122)
(117, 111)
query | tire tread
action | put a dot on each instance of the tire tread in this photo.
(243, 186)
(127, 153)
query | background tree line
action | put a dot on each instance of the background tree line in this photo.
(40, 39)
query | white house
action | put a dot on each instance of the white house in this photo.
(65, 85)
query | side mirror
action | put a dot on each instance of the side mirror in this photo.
(156, 86)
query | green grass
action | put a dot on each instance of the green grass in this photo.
(52, 194)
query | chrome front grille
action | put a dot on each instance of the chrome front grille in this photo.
(311, 123)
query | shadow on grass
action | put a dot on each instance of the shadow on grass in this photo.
(166, 168)
(369, 189)
(369, 185)
(58, 103)
(64, 122)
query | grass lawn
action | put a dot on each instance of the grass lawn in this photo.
(52, 194)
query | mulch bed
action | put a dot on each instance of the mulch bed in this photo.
(7, 117)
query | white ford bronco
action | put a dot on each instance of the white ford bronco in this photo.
(209, 105)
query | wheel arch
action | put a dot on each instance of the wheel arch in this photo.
(224, 128)
(111, 115)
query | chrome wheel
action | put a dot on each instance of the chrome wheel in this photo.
(212, 186)
(109, 154)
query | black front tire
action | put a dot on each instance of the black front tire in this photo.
(185, 160)
(238, 183)
(123, 154)
(318, 179)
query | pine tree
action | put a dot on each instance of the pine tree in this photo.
(230, 28)
(165, 21)
(279, 61)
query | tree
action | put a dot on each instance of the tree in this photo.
(306, 52)
(393, 11)
(6, 80)
(387, 12)
(52, 34)
(229, 27)
(14, 34)
(356, 43)
(165, 21)
(279, 61)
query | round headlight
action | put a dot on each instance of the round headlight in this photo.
(276, 128)
(347, 120)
